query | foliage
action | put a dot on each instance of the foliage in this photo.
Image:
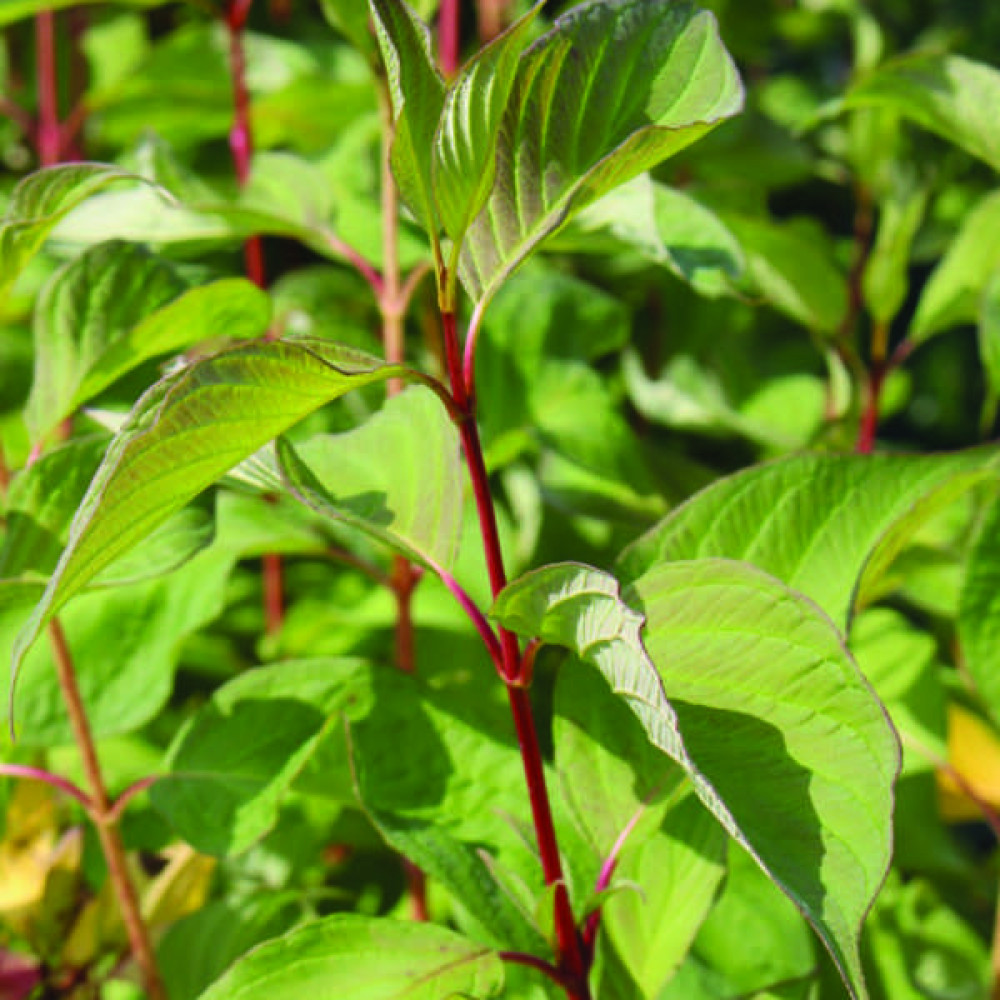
(516, 527)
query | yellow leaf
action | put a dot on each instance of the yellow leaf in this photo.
(974, 752)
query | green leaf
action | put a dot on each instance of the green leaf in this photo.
(953, 293)
(334, 957)
(418, 94)
(674, 854)
(793, 268)
(230, 768)
(351, 19)
(464, 161)
(87, 307)
(781, 736)
(979, 610)
(38, 203)
(886, 275)
(611, 90)
(989, 349)
(826, 525)
(16, 10)
(950, 95)
(184, 434)
(126, 643)
(413, 503)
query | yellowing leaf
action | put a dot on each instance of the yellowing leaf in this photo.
(974, 752)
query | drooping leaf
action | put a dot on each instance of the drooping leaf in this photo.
(336, 957)
(228, 771)
(628, 795)
(464, 160)
(979, 610)
(38, 203)
(782, 738)
(794, 270)
(418, 93)
(657, 78)
(947, 94)
(412, 503)
(827, 525)
(89, 305)
(184, 434)
(952, 295)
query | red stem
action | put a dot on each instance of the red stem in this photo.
(48, 137)
(869, 416)
(449, 41)
(571, 958)
(54, 780)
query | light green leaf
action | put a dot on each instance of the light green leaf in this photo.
(950, 95)
(230, 768)
(16, 10)
(979, 610)
(464, 157)
(350, 17)
(412, 503)
(655, 78)
(38, 203)
(826, 525)
(333, 957)
(886, 276)
(784, 741)
(621, 786)
(952, 295)
(88, 306)
(989, 350)
(418, 93)
(793, 269)
(185, 433)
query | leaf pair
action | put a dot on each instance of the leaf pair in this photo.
(522, 140)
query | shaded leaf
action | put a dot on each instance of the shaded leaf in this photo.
(947, 94)
(413, 503)
(38, 203)
(785, 743)
(333, 957)
(229, 769)
(657, 78)
(184, 434)
(989, 349)
(827, 525)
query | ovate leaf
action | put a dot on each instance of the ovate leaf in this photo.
(412, 502)
(39, 202)
(784, 741)
(87, 306)
(417, 92)
(186, 432)
(827, 525)
(612, 89)
(465, 145)
(979, 610)
(365, 958)
(947, 94)
(952, 295)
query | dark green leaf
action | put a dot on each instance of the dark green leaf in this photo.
(656, 78)
(827, 525)
(989, 349)
(412, 503)
(337, 956)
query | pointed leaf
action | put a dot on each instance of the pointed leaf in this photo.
(611, 90)
(979, 610)
(365, 958)
(230, 768)
(38, 203)
(417, 92)
(827, 525)
(184, 434)
(464, 162)
(784, 741)
(412, 503)
(947, 94)
(87, 306)
(952, 295)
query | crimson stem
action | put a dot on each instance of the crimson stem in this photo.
(571, 959)
(48, 137)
